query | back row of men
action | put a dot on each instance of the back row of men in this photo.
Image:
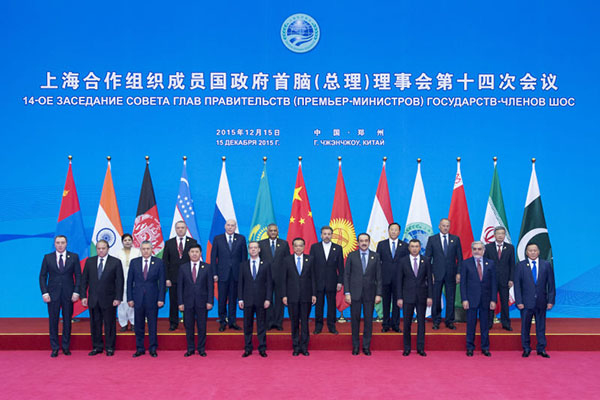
(262, 277)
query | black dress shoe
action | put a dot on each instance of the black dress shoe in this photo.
(486, 353)
(385, 329)
(422, 353)
(189, 353)
(316, 331)
(543, 354)
(246, 353)
(334, 332)
(94, 352)
(355, 352)
(295, 353)
(235, 327)
(279, 328)
(436, 327)
(138, 354)
(202, 353)
(123, 329)
(305, 353)
(110, 353)
(132, 328)
(262, 353)
(507, 328)
(526, 353)
(172, 327)
(396, 329)
(66, 352)
(153, 354)
(469, 353)
(222, 328)
(367, 352)
(451, 326)
(54, 354)
(406, 353)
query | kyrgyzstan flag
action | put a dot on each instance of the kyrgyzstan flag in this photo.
(342, 225)
(301, 219)
(147, 223)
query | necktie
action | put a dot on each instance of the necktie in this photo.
(479, 269)
(273, 248)
(416, 266)
(145, 269)
(253, 269)
(364, 262)
(100, 267)
(499, 252)
(61, 263)
(393, 248)
(180, 248)
(194, 272)
(299, 265)
(230, 242)
(445, 245)
(534, 273)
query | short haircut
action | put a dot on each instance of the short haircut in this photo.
(272, 224)
(298, 238)
(532, 244)
(394, 223)
(364, 234)
(476, 242)
(146, 242)
(126, 235)
(444, 219)
(180, 222)
(499, 228)
(102, 241)
(253, 241)
(59, 236)
(326, 227)
(414, 241)
(195, 246)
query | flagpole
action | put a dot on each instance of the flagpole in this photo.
(184, 160)
(147, 160)
(495, 161)
(341, 319)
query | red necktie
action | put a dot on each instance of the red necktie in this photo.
(479, 269)
(180, 248)
(194, 273)
(499, 252)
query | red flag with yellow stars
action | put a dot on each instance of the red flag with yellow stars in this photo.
(301, 221)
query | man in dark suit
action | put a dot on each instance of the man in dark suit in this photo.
(255, 290)
(146, 294)
(228, 252)
(391, 251)
(195, 297)
(175, 254)
(414, 291)
(535, 293)
(328, 259)
(502, 254)
(103, 275)
(60, 277)
(274, 251)
(445, 253)
(478, 291)
(362, 285)
(299, 294)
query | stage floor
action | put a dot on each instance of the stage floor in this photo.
(563, 334)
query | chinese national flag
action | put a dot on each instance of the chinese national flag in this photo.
(301, 221)
(343, 227)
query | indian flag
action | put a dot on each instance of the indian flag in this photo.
(108, 222)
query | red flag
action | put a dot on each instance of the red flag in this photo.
(343, 227)
(301, 221)
(460, 223)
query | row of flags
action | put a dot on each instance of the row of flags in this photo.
(418, 223)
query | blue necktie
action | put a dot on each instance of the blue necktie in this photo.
(445, 245)
(253, 269)
(273, 248)
(230, 243)
(364, 262)
(61, 263)
(299, 265)
(100, 266)
(534, 272)
(393, 249)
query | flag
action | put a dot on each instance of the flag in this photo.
(533, 227)
(381, 217)
(460, 223)
(147, 223)
(184, 207)
(342, 225)
(263, 209)
(301, 219)
(108, 221)
(70, 224)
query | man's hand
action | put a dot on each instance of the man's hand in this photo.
(182, 308)
(84, 302)
(209, 306)
(348, 299)
(241, 304)
(130, 303)
(510, 284)
(339, 287)
(216, 278)
(46, 298)
(314, 300)
(520, 306)
(377, 299)
(75, 297)
(457, 279)
(284, 301)
(267, 304)
(549, 306)
(160, 304)
(465, 304)
(169, 284)
(492, 305)
(429, 302)
(399, 303)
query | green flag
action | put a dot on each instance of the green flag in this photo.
(263, 210)
(495, 214)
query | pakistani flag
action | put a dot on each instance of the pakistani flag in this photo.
(533, 227)
(263, 210)
(495, 214)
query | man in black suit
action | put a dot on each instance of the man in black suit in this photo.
(103, 275)
(535, 293)
(175, 254)
(362, 285)
(478, 291)
(445, 253)
(228, 252)
(415, 291)
(502, 254)
(60, 277)
(391, 251)
(328, 259)
(195, 297)
(274, 251)
(299, 294)
(146, 294)
(255, 290)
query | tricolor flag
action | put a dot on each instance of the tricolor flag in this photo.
(263, 209)
(147, 223)
(184, 207)
(301, 220)
(533, 227)
(342, 225)
(70, 224)
(108, 221)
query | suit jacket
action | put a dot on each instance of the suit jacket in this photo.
(225, 262)
(532, 294)
(363, 286)
(477, 291)
(197, 294)
(109, 288)
(60, 284)
(171, 256)
(414, 289)
(255, 291)
(328, 272)
(299, 288)
(441, 264)
(282, 250)
(390, 265)
(505, 266)
(149, 291)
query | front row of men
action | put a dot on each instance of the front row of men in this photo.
(299, 281)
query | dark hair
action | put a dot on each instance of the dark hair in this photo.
(298, 238)
(326, 227)
(60, 236)
(195, 246)
(364, 233)
(414, 241)
(532, 244)
(103, 241)
(126, 235)
(394, 223)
